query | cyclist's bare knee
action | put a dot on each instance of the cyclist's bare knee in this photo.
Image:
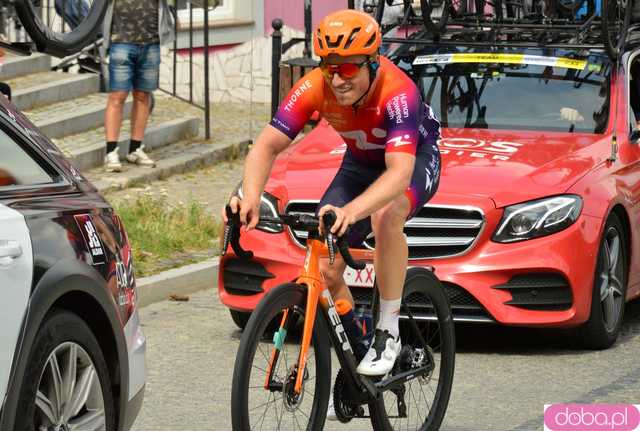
(391, 218)
(333, 274)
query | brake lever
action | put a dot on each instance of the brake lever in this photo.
(331, 246)
(232, 236)
(227, 230)
(328, 219)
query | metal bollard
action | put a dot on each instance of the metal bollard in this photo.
(276, 55)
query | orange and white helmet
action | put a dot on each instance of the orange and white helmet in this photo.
(347, 32)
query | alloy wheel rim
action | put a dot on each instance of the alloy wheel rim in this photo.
(69, 396)
(611, 279)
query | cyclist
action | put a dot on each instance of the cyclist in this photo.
(390, 169)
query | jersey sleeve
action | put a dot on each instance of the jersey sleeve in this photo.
(301, 102)
(403, 110)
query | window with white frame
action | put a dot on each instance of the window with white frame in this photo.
(218, 10)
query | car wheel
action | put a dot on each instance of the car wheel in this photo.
(609, 289)
(66, 386)
(240, 318)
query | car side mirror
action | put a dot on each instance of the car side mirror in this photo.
(634, 137)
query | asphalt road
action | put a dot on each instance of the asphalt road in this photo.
(503, 377)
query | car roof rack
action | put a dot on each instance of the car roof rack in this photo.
(591, 32)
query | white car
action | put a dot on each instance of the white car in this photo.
(72, 353)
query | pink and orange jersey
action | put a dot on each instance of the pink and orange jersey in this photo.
(392, 118)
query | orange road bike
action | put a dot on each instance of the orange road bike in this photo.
(282, 375)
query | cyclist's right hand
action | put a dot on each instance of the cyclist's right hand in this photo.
(249, 212)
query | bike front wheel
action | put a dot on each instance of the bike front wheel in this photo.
(428, 341)
(256, 404)
(61, 27)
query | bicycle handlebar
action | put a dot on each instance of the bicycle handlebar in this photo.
(295, 221)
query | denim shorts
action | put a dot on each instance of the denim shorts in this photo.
(134, 66)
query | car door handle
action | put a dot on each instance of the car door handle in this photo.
(10, 249)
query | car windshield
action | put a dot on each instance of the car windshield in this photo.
(521, 90)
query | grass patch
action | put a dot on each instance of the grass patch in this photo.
(164, 236)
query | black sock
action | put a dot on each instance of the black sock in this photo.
(134, 145)
(111, 145)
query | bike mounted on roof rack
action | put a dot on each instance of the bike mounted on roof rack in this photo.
(55, 27)
(573, 24)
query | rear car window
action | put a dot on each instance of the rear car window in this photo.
(522, 90)
(17, 167)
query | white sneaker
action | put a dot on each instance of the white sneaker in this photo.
(140, 158)
(112, 162)
(331, 411)
(381, 355)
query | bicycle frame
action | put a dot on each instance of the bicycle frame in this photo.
(318, 293)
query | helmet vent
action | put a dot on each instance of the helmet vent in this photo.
(371, 40)
(335, 44)
(320, 43)
(352, 37)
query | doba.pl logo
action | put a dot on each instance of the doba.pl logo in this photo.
(592, 417)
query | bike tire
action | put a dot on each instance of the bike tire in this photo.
(285, 296)
(61, 44)
(435, 25)
(421, 281)
(614, 26)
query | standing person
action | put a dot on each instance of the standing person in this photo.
(133, 32)
(390, 170)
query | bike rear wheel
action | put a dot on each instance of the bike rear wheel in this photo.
(253, 406)
(424, 399)
(616, 15)
(64, 28)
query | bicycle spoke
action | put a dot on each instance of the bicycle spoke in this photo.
(281, 414)
(261, 369)
(263, 404)
(265, 411)
(295, 418)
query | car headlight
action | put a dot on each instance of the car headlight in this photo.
(268, 208)
(538, 218)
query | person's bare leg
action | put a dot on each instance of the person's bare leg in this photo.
(139, 114)
(333, 277)
(392, 253)
(113, 115)
(390, 262)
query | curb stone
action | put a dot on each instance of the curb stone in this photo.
(181, 281)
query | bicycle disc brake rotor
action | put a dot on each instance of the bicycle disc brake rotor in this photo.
(291, 400)
(414, 358)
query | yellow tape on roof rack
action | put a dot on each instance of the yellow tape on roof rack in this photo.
(567, 63)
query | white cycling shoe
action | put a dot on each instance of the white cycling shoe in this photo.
(381, 355)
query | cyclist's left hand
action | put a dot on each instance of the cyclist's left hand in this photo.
(344, 219)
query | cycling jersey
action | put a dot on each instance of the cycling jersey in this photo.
(392, 118)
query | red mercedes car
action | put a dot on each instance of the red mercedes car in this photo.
(533, 223)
